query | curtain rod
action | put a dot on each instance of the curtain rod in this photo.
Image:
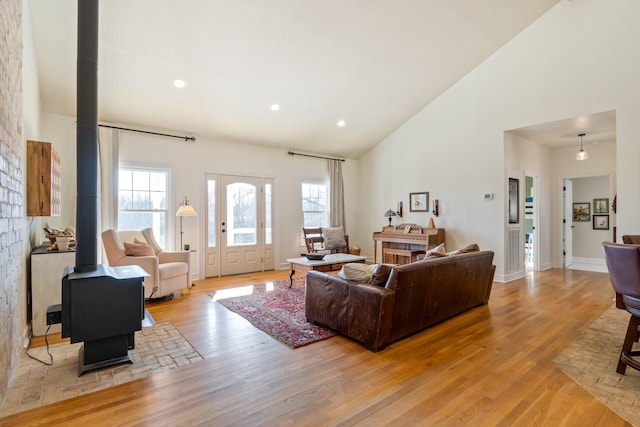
(291, 153)
(186, 138)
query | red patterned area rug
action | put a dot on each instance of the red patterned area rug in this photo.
(278, 311)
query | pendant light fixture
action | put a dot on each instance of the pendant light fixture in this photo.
(582, 155)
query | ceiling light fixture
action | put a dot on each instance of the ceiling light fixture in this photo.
(341, 123)
(582, 155)
(275, 107)
(179, 83)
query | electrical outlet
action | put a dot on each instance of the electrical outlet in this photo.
(54, 314)
(155, 289)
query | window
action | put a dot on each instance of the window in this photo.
(315, 205)
(142, 201)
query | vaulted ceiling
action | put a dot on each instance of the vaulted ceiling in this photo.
(371, 63)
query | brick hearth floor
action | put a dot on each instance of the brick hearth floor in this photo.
(158, 348)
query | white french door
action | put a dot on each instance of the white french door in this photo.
(239, 224)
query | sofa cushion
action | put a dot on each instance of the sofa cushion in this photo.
(470, 248)
(437, 252)
(334, 238)
(381, 274)
(137, 249)
(356, 272)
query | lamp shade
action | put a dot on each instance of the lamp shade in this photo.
(390, 213)
(186, 210)
(582, 155)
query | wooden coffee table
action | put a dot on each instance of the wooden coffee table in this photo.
(330, 262)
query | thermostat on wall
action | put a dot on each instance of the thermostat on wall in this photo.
(488, 196)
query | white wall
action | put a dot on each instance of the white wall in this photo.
(189, 162)
(587, 242)
(30, 84)
(60, 131)
(579, 58)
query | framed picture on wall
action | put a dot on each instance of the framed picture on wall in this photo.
(581, 211)
(418, 202)
(600, 206)
(514, 206)
(600, 222)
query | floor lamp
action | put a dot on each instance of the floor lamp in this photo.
(185, 209)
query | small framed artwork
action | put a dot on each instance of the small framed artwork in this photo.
(581, 211)
(514, 197)
(600, 206)
(600, 222)
(419, 202)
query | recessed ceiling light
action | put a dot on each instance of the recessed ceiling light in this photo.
(179, 83)
(275, 107)
(341, 123)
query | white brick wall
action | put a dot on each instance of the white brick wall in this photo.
(13, 251)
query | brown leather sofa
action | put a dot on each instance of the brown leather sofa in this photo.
(414, 297)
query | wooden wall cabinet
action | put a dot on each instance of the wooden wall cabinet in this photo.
(43, 179)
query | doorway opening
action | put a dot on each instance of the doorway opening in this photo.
(587, 221)
(530, 222)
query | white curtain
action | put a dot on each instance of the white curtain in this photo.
(336, 191)
(108, 140)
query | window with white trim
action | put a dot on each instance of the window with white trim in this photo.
(142, 201)
(315, 204)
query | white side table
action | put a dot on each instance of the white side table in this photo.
(47, 269)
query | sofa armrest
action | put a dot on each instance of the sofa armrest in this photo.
(359, 311)
(490, 285)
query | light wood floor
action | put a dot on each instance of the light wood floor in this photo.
(492, 366)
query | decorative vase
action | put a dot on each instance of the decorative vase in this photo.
(63, 242)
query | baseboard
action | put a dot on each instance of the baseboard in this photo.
(598, 265)
(26, 339)
(546, 266)
(506, 278)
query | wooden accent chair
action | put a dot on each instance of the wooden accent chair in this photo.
(631, 239)
(314, 241)
(623, 262)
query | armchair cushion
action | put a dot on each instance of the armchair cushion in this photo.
(137, 249)
(334, 238)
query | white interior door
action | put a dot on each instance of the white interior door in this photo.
(567, 229)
